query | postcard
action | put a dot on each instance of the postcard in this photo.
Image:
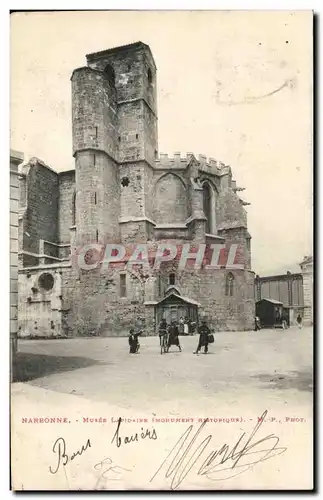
(161, 257)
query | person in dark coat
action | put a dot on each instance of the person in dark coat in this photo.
(299, 321)
(133, 341)
(173, 336)
(204, 332)
(162, 330)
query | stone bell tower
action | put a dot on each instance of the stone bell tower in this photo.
(114, 142)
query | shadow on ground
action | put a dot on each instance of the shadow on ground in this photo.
(301, 381)
(29, 366)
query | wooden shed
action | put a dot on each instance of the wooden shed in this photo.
(271, 313)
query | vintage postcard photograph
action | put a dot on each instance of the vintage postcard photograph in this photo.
(161, 250)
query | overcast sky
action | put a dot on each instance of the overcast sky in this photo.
(235, 86)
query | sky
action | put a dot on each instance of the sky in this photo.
(232, 85)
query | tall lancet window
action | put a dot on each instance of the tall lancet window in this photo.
(229, 285)
(74, 209)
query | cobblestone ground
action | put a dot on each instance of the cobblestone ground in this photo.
(268, 365)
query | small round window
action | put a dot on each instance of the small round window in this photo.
(46, 282)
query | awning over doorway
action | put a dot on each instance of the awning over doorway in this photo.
(180, 297)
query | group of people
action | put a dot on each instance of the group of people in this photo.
(172, 331)
(280, 320)
(186, 326)
(169, 335)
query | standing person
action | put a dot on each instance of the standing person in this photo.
(181, 325)
(186, 326)
(173, 336)
(285, 319)
(299, 321)
(257, 323)
(193, 327)
(133, 341)
(204, 332)
(162, 330)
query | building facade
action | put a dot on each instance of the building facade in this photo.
(293, 290)
(15, 159)
(307, 272)
(123, 191)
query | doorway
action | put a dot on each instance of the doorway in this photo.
(172, 308)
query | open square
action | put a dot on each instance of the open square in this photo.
(273, 364)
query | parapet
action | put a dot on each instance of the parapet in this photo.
(214, 166)
(176, 161)
(181, 161)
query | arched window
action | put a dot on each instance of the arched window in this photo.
(172, 279)
(110, 74)
(149, 75)
(74, 209)
(207, 206)
(229, 285)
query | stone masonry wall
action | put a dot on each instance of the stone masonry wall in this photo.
(208, 287)
(40, 308)
(66, 198)
(151, 134)
(135, 85)
(94, 112)
(41, 220)
(132, 195)
(239, 236)
(15, 159)
(134, 232)
(92, 302)
(131, 129)
(131, 67)
(97, 198)
(230, 210)
(170, 200)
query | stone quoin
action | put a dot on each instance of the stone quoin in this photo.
(124, 191)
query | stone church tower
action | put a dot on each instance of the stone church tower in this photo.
(122, 191)
(114, 141)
